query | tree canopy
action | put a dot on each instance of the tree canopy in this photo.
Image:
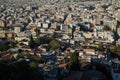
(115, 49)
(106, 28)
(54, 44)
(13, 44)
(74, 61)
(37, 40)
(4, 47)
(31, 42)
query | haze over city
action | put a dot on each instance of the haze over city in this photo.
(59, 39)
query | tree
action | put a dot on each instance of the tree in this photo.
(33, 65)
(37, 40)
(74, 61)
(4, 47)
(54, 44)
(21, 55)
(106, 28)
(46, 40)
(100, 47)
(56, 35)
(34, 58)
(115, 50)
(31, 42)
(13, 44)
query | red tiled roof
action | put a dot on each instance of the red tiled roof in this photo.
(62, 65)
(6, 56)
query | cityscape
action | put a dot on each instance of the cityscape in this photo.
(59, 39)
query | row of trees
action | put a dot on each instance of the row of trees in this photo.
(53, 43)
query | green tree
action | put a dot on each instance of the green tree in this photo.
(37, 40)
(100, 47)
(31, 42)
(13, 44)
(34, 58)
(21, 55)
(74, 61)
(33, 65)
(56, 35)
(115, 50)
(54, 44)
(106, 28)
(4, 47)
